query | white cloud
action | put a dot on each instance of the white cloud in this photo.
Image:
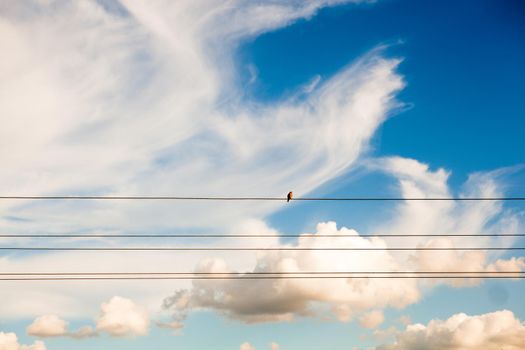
(492, 331)
(157, 72)
(53, 326)
(145, 101)
(48, 326)
(9, 341)
(447, 217)
(83, 332)
(308, 88)
(174, 325)
(372, 319)
(122, 317)
(249, 346)
(118, 317)
(385, 334)
(282, 300)
(246, 346)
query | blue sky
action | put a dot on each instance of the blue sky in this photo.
(462, 60)
(235, 99)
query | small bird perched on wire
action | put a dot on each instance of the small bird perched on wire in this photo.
(289, 197)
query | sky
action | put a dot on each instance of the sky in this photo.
(325, 98)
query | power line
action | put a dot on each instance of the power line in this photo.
(257, 248)
(252, 236)
(255, 277)
(298, 273)
(410, 199)
(170, 198)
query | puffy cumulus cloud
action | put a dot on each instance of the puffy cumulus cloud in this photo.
(492, 331)
(249, 346)
(118, 317)
(372, 319)
(122, 317)
(512, 264)
(146, 98)
(9, 341)
(48, 326)
(416, 179)
(280, 300)
(53, 326)
(246, 346)
(283, 299)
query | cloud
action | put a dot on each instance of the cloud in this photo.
(385, 334)
(280, 300)
(144, 100)
(158, 72)
(372, 319)
(246, 346)
(284, 299)
(249, 346)
(121, 317)
(9, 341)
(83, 332)
(118, 317)
(53, 326)
(491, 331)
(415, 179)
(48, 326)
(310, 86)
(174, 325)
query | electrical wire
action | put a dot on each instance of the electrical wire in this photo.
(257, 248)
(73, 276)
(75, 197)
(252, 236)
(60, 278)
(261, 273)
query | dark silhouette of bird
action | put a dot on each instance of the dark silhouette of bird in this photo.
(289, 197)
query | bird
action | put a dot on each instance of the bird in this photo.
(289, 197)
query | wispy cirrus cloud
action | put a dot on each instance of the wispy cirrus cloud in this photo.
(145, 100)
(142, 98)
